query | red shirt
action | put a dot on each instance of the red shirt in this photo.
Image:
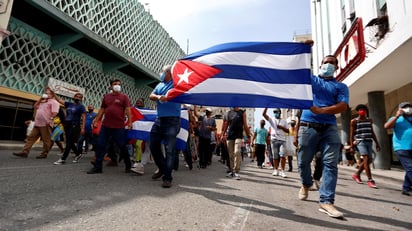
(114, 110)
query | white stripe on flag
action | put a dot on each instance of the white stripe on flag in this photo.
(238, 86)
(280, 62)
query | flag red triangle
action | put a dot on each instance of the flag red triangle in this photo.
(187, 74)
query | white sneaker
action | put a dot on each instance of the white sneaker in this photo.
(275, 172)
(139, 169)
(59, 162)
(282, 174)
(330, 210)
(271, 167)
(236, 176)
(77, 158)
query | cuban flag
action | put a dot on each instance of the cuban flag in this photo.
(143, 124)
(246, 74)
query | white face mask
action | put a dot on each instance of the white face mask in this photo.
(407, 110)
(117, 88)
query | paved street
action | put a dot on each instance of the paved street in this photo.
(37, 195)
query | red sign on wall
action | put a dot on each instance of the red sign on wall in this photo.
(351, 52)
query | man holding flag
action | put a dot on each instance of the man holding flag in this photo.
(165, 128)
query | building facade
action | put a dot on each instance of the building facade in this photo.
(372, 40)
(76, 46)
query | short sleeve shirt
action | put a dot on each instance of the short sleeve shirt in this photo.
(277, 133)
(402, 134)
(325, 93)
(74, 112)
(114, 110)
(166, 109)
(261, 134)
(45, 111)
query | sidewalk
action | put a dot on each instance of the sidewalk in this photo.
(396, 173)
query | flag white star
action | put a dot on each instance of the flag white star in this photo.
(184, 76)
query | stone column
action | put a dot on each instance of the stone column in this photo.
(377, 112)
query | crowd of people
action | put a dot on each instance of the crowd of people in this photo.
(311, 136)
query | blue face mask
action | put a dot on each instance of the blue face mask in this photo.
(327, 70)
(276, 115)
(162, 77)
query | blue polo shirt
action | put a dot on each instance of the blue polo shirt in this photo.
(325, 93)
(166, 109)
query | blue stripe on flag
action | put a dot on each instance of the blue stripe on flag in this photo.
(278, 48)
(264, 74)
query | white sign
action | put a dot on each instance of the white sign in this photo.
(63, 88)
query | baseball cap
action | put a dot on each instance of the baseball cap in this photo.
(209, 109)
(405, 104)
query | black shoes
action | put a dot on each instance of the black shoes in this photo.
(157, 175)
(406, 193)
(94, 171)
(20, 154)
(167, 184)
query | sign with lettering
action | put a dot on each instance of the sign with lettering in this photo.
(63, 88)
(351, 52)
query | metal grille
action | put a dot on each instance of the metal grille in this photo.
(26, 60)
(126, 25)
(26, 64)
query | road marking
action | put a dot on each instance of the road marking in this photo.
(239, 217)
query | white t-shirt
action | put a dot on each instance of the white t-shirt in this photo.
(277, 133)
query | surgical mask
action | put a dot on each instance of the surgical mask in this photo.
(91, 110)
(407, 110)
(76, 100)
(45, 96)
(276, 115)
(162, 77)
(117, 88)
(327, 70)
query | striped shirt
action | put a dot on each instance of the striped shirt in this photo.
(363, 130)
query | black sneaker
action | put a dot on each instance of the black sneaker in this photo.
(77, 158)
(167, 184)
(20, 154)
(157, 175)
(94, 171)
(406, 193)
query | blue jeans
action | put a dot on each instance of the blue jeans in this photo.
(118, 136)
(164, 129)
(326, 141)
(405, 157)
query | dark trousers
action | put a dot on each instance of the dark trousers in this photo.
(188, 153)
(72, 136)
(119, 137)
(204, 151)
(260, 153)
